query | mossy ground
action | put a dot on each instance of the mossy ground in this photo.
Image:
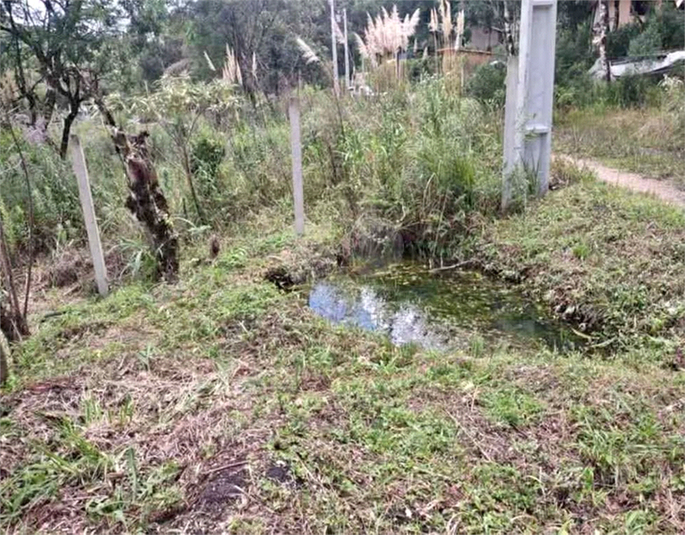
(223, 405)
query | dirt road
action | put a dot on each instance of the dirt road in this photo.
(658, 188)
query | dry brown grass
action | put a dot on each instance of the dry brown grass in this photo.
(646, 141)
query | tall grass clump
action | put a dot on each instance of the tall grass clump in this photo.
(416, 166)
(385, 38)
(406, 169)
(57, 211)
(674, 105)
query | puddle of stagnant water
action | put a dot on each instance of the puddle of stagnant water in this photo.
(442, 312)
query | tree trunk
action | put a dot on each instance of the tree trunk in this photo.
(600, 39)
(603, 41)
(12, 321)
(13, 326)
(66, 129)
(4, 368)
(49, 107)
(147, 201)
(508, 31)
(250, 85)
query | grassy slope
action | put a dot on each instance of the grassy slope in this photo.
(608, 259)
(223, 405)
(638, 140)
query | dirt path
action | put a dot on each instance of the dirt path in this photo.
(658, 188)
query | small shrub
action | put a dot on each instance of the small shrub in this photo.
(55, 195)
(420, 69)
(564, 173)
(674, 103)
(206, 155)
(645, 44)
(630, 91)
(487, 83)
(618, 41)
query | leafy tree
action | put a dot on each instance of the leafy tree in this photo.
(646, 43)
(60, 52)
(263, 33)
(155, 34)
(244, 25)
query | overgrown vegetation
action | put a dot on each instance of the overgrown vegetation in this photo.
(646, 139)
(415, 163)
(606, 259)
(219, 402)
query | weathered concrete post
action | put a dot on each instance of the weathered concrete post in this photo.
(81, 172)
(528, 134)
(334, 50)
(347, 53)
(296, 147)
(509, 130)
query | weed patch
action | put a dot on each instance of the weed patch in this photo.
(603, 258)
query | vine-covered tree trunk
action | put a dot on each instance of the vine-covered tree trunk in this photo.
(147, 201)
(145, 198)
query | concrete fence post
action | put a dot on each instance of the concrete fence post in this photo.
(81, 172)
(296, 147)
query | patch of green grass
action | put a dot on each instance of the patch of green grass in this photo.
(606, 259)
(172, 404)
(646, 141)
(511, 406)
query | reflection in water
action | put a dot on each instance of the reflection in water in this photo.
(410, 306)
(403, 324)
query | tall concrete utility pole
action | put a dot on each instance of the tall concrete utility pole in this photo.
(347, 52)
(334, 49)
(530, 98)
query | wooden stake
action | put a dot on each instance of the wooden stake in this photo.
(4, 365)
(81, 172)
(296, 145)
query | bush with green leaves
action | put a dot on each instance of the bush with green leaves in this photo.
(574, 55)
(487, 83)
(420, 165)
(645, 44)
(618, 41)
(674, 104)
(206, 155)
(662, 31)
(629, 91)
